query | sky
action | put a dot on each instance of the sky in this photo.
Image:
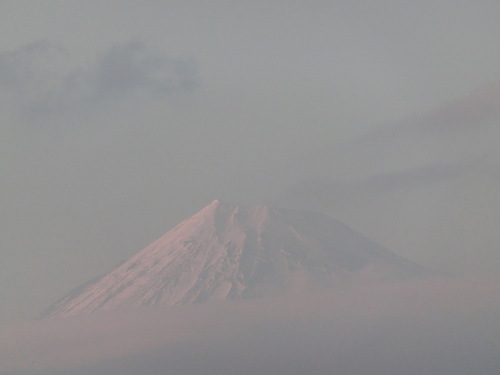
(119, 119)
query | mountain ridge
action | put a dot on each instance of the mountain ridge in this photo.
(228, 252)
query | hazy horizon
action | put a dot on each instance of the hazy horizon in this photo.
(121, 119)
(439, 326)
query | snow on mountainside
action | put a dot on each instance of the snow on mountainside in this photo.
(227, 252)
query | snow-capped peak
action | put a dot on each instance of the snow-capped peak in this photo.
(227, 252)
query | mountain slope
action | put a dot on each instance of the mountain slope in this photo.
(227, 252)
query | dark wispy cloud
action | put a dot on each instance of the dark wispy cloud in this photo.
(132, 67)
(43, 81)
(21, 68)
(31, 69)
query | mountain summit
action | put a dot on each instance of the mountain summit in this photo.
(227, 252)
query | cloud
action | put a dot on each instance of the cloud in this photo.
(454, 144)
(446, 326)
(43, 81)
(474, 112)
(129, 67)
(24, 69)
(323, 189)
(415, 177)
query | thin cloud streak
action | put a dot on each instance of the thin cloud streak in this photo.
(411, 178)
(471, 113)
(323, 188)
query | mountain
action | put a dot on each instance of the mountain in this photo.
(227, 252)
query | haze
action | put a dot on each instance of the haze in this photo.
(120, 119)
(434, 327)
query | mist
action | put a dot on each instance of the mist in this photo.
(118, 120)
(436, 326)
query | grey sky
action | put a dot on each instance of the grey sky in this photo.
(119, 119)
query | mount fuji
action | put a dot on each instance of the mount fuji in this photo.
(228, 252)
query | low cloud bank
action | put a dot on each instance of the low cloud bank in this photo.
(440, 326)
